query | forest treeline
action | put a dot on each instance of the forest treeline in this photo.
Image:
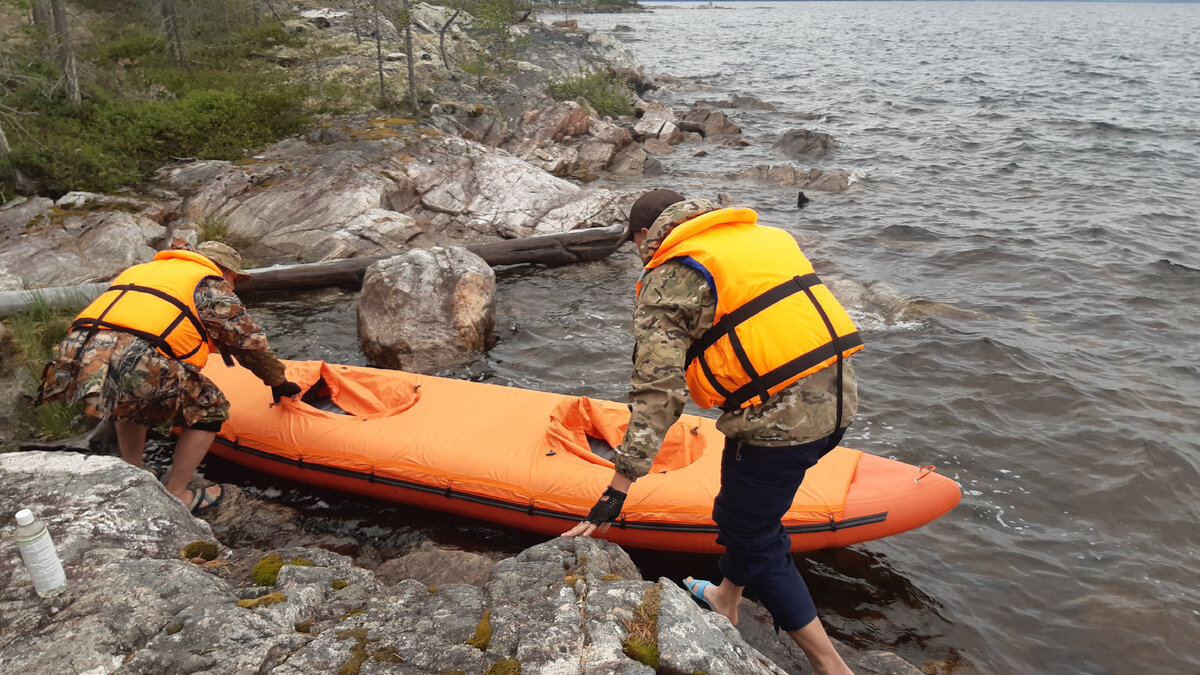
(97, 94)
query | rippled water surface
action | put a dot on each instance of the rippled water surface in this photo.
(1020, 248)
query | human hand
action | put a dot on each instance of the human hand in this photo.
(606, 510)
(288, 389)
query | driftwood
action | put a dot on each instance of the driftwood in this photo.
(551, 250)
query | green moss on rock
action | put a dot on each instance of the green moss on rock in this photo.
(200, 549)
(505, 667)
(358, 651)
(304, 626)
(339, 584)
(266, 571)
(641, 644)
(483, 632)
(265, 601)
(173, 629)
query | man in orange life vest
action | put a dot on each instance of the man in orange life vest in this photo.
(731, 312)
(134, 356)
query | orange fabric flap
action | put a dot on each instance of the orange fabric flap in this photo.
(573, 420)
(366, 393)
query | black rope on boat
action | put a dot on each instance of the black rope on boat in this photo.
(530, 508)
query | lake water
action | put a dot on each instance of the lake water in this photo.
(1020, 249)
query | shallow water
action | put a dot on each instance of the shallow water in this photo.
(1020, 251)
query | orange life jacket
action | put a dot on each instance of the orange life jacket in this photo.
(155, 301)
(775, 322)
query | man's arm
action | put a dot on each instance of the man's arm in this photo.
(233, 330)
(671, 310)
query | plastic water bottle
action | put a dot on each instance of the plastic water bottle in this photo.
(39, 555)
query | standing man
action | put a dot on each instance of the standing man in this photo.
(731, 312)
(134, 356)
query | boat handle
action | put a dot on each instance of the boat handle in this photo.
(925, 471)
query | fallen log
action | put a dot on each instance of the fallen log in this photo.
(552, 250)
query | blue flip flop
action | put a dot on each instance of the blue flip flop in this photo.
(697, 590)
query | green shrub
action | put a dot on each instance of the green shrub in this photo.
(132, 47)
(212, 227)
(607, 94)
(106, 143)
(140, 108)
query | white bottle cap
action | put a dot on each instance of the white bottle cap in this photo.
(24, 517)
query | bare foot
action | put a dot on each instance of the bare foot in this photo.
(721, 601)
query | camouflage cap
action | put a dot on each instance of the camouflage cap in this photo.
(224, 256)
(673, 215)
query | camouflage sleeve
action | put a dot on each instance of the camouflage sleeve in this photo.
(234, 331)
(669, 314)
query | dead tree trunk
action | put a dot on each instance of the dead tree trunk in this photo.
(442, 37)
(170, 16)
(379, 53)
(408, 55)
(551, 250)
(40, 14)
(66, 55)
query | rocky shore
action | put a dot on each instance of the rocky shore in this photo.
(154, 590)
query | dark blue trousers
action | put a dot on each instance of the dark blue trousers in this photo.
(757, 488)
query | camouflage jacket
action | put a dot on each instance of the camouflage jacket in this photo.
(676, 306)
(234, 331)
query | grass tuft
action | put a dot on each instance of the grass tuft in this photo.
(606, 93)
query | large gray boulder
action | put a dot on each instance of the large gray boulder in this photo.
(708, 123)
(427, 309)
(658, 122)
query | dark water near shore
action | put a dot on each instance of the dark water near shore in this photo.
(1020, 248)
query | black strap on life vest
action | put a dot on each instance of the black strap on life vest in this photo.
(761, 384)
(158, 340)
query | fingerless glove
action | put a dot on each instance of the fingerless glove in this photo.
(286, 389)
(608, 507)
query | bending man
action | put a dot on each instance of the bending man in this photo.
(134, 356)
(731, 312)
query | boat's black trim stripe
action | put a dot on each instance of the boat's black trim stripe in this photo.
(447, 491)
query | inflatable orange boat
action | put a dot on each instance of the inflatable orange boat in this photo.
(536, 461)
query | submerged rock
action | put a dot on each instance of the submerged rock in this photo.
(805, 143)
